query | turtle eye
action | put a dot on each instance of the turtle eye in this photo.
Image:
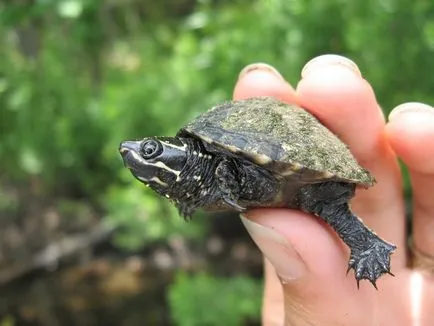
(151, 148)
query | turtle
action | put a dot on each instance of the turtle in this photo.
(262, 152)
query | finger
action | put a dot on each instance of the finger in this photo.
(260, 82)
(411, 134)
(308, 260)
(334, 91)
(272, 308)
(260, 79)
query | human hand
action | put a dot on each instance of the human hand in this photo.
(310, 260)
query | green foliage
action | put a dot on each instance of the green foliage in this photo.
(7, 321)
(142, 218)
(79, 76)
(204, 300)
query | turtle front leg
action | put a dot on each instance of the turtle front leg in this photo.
(370, 255)
(229, 183)
(240, 181)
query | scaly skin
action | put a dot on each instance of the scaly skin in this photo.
(211, 179)
(370, 255)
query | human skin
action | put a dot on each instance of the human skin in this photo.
(305, 262)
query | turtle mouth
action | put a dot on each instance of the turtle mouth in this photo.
(129, 151)
(139, 167)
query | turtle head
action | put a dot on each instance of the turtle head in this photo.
(155, 161)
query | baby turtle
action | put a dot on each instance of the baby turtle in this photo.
(261, 152)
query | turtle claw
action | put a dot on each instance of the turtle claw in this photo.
(374, 284)
(371, 263)
(348, 269)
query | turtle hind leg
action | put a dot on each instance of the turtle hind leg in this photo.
(370, 255)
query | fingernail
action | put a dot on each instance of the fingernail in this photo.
(260, 66)
(410, 107)
(327, 60)
(281, 254)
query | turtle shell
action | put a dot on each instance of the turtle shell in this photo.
(284, 138)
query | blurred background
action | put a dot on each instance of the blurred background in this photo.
(82, 242)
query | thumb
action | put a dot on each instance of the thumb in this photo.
(311, 263)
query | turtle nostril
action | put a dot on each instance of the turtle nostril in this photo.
(128, 146)
(124, 150)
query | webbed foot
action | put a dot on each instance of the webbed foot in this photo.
(371, 263)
